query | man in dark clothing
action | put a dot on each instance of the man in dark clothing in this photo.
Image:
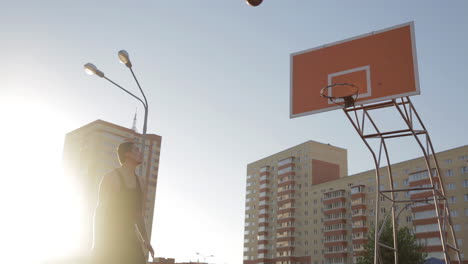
(119, 230)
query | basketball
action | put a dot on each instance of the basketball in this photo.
(254, 2)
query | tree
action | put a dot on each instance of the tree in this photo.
(410, 251)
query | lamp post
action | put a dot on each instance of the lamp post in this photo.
(205, 257)
(125, 59)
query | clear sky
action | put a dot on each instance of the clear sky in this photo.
(216, 74)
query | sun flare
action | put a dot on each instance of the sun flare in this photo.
(42, 203)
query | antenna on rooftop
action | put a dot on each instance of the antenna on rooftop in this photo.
(134, 121)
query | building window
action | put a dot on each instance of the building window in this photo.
(448, 161)
(449, 173)
(408, 219)
(466, 197)
(466, 211)
(406, 182)
(456, 228)
(453, 213)
(452, 199)
(451, 186)
(465, 183)
(464, 169)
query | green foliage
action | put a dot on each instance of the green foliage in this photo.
(409, 250)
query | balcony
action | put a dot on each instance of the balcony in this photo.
(286, 175)
(286, 210)
(286, 178)
(334, 221)
(358, 218)
(264, 169)
(285, 239)
(285, 197)
(357, 189)
(359, 207)
(421, 175)
(281, 247)
(335, 216)
(284, 191)
(283, 229)
(264, 178)
(358, 212)
(362, 229)
(287, 215)
(330, 207)
(336, 254)
(358, 201)
(285, 169)
(360, 241)
(342, 243)
(285, 219)
(285, 161)
(285, 234)
(290, 182)
(334, 194)
(359, 224)
(358, 248)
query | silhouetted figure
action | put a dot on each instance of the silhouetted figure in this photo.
(119, 212)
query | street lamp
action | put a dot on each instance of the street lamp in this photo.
(205, 257)
(91, 69)
(125, 59)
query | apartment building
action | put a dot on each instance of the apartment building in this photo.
(91, 151)
(302, 207)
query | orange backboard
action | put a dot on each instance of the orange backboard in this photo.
(382, 64)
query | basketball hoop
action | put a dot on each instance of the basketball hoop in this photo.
(346, 94)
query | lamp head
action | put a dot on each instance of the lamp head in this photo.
(91, 69)
(124, 58)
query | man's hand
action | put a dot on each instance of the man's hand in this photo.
(150, 249)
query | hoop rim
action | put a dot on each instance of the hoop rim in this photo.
(322, 91)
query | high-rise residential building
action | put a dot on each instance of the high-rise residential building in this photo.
(302, 207)
(91, 151)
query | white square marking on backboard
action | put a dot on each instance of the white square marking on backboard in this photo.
(368, 81)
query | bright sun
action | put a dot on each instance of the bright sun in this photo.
(39, 203)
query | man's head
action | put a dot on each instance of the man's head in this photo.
(129, 152)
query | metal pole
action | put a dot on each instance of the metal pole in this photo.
(145, 122)
(406, 111)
